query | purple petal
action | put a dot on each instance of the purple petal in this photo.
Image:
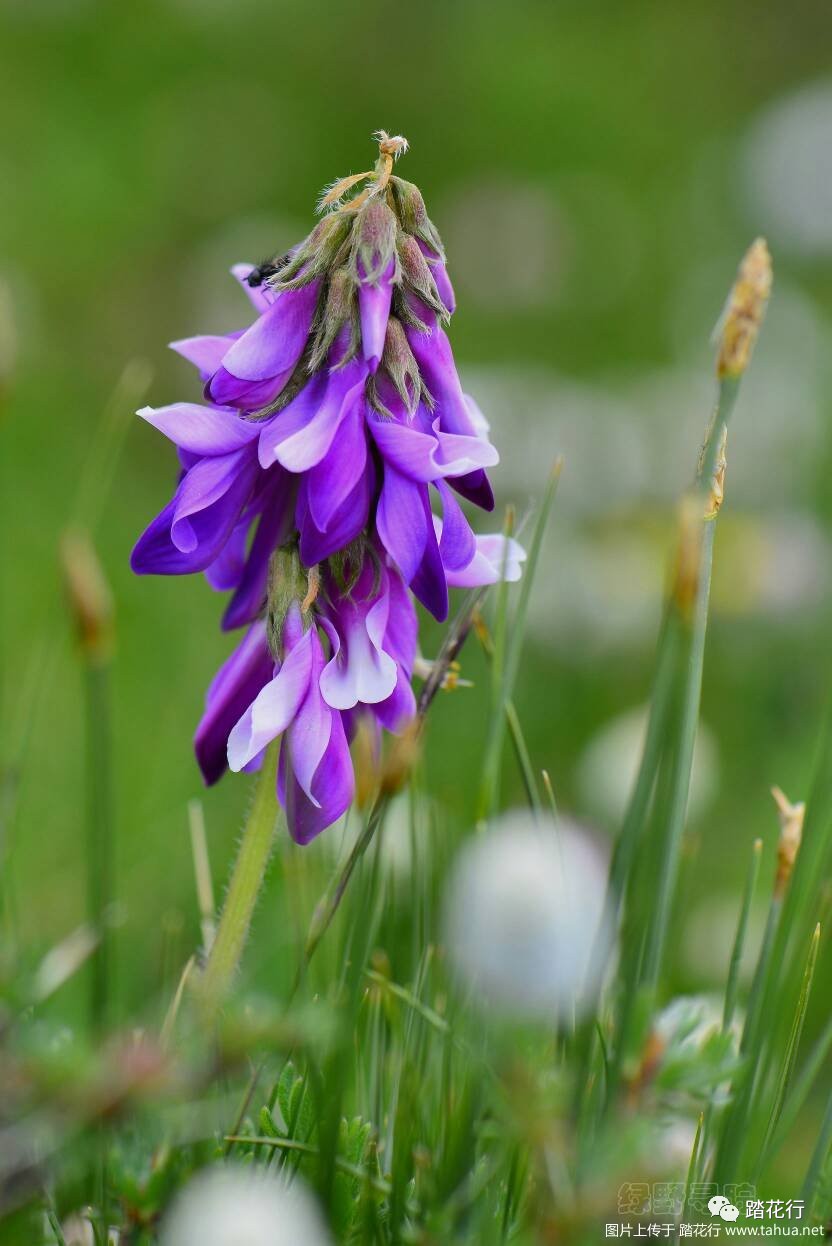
(359, 669)
(374, 300)
(214, 491)
(333, 787)
(401, 636)
(436, 362)
(401, 522)
(201, 430)
(344, 525)
(234, 687)
(275, 341)
(427, 456)
(486, 567)
(229, 391)
(440, 275)
(205, 352)
(272, 530)
(457, 544)
(274, 708)
(475, 487)
(429, 584)
(308, 733)
(225, 571)
(332, 480)
(400, 707)
(300, 435)
(202, 534)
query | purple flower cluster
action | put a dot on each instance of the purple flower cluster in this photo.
(318, 486)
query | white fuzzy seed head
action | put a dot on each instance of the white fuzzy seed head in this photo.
(524, 918)
(234, 1206)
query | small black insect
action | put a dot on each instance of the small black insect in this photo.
(262, 272)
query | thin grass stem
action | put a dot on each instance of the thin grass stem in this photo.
(790, 1055)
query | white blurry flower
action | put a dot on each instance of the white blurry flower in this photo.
(609, 763)
(788, 167)
(525, 926)
(78, 1231)
(234, 1206)
(689, 1019)
(673, 1144)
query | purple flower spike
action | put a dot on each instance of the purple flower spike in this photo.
(334, 427)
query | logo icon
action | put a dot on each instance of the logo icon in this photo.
(720, 1206)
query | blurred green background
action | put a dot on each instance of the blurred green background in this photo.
(596, 171)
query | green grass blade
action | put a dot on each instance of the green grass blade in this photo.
(818, 1161)
(790, 1056)
(750, 887)
(799, 1094)
(507, 650)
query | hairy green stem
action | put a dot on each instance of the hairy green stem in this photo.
(244, 888)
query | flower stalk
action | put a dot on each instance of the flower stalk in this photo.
(243, 890)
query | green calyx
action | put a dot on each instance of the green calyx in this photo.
(399, 365)
(374, 242)
(290, 584)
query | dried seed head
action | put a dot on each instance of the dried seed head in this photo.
(389, 150)
(743, 315)
(791, 831)
(394, 145)
(717, 490)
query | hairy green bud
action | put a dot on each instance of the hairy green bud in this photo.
(373, 241)
(340, 307)
(417, 275)
(288, 585)
(399, 364)
(316, 255)
(411, 210)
